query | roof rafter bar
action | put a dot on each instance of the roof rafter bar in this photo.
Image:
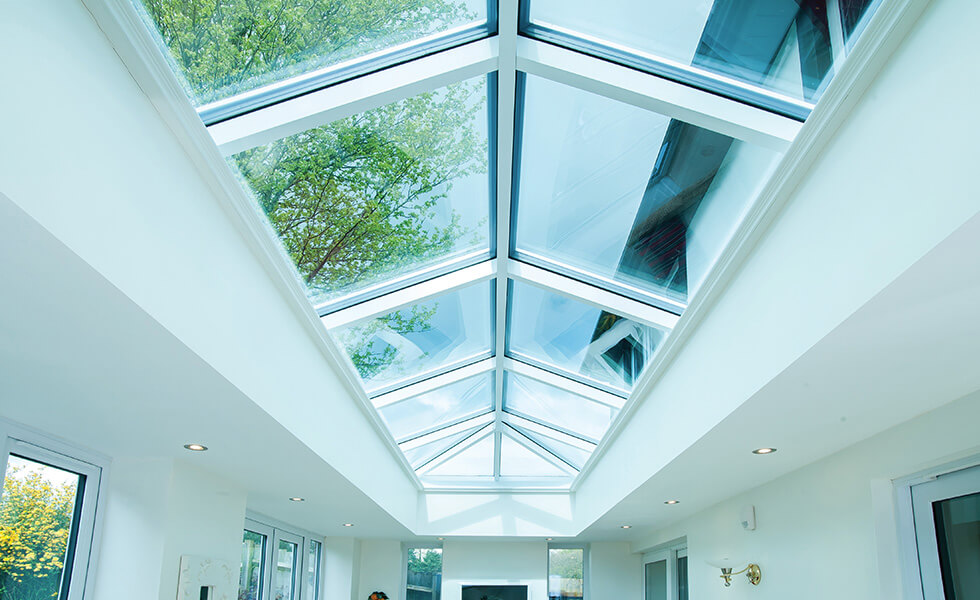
(472, 440)
(540, 451)
(535, 427)
(355, 96)
(663, 96)
(432, 383)
(477, 421)
(595, 296)
(563, 383)
(387, 303)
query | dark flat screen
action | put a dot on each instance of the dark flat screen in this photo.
(494, 592)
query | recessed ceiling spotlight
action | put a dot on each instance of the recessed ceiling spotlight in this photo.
(672, 502)
(548, 539)
(195, 447)
(297, 499)
(440, 539)
(763, 451)
(625, 526)
(348, 524)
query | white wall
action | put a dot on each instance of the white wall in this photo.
(615, 572)
(341, 572)
(822, 533)
(381, 569)
(516, 563)
(157, 510)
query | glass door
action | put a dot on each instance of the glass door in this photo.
(287, 565)
(665, 574)
(947, 532)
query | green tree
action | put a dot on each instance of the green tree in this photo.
(425, 560)
(35, 524)
(225, 47)
(567, 563)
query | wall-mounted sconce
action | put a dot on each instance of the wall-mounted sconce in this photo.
(727, 566)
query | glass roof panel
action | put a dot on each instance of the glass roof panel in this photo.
(555, 407)
(518, 461)
(421, 340)
(565, 335)
(441, 407)
(474, 461)
(367, 203)
(785, 47)
(626, 198)
(223, 49)
(573, 455)
(420, 455)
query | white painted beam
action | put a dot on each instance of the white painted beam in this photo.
(434, 383)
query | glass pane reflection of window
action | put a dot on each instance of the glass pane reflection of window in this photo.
(284, 571)
(252, 576)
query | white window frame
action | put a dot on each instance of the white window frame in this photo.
(406, 546)
(34, 445)
(586, 570)
(670, 554)
(898, 547)
(274, 531)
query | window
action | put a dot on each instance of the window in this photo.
(566, 572)
(665, 573)
(423, 579)
(279, 564)
(778, 54)
(47, 517)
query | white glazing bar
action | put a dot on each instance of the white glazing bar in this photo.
(539, 451)
(546, 431)
(589, 294)
(563, 383)
(355, 96)
(476, 438)
(482, 420)
(506, 99)
(387, 303)
(663, 96)
(433, 383)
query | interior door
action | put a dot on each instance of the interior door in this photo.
(947, 533)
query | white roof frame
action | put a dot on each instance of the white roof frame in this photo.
(506, 53)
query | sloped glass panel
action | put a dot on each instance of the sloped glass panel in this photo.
(572, 455)
(552, 406)
(421, 340)
(420, 455)
(441, 407)
(221, 49)
(786, 47)
(382, 199)
(625, 198)
(475, 461)
(565, 335)
(518, 461)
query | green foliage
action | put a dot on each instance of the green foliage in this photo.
(225, 47)
(370, 357)
(566, 563)
(425, 560)
(35, 523)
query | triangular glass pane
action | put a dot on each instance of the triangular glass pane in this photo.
(518, 461)
(420, 455)
(573, 455)
(550, 405)
(440, 407)
(475, 461)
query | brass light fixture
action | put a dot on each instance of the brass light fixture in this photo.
(752, 571)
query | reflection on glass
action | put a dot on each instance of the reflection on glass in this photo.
(390, 193)
(518, 461)
(628, 197)
(284, 571)
(313, 572)
(544, 403)
(566, 568)
(655, 580)
(439, 408)
(567, 335)
(474, 461)
(250, 581)
(424, 574)
(682, 593)
(221, 49)
(420, 455)
(783, 46)
(958, 536)
(420, 340)
(572, 455)
(36, 528)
